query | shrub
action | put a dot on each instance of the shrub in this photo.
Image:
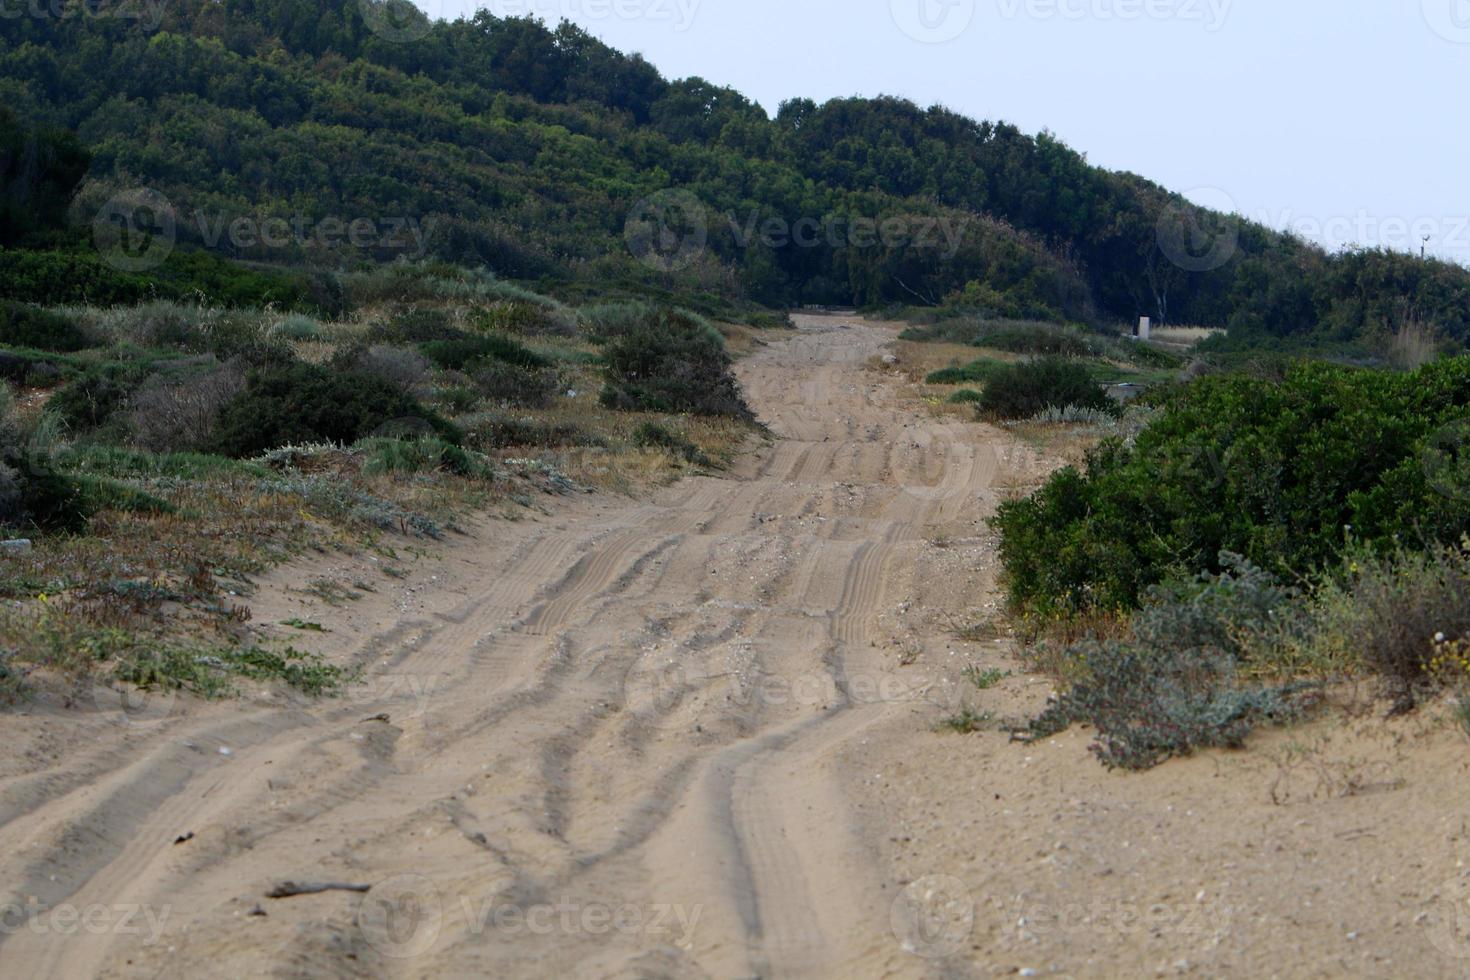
(1072, 415)
(24, 325)
(965, 396)
(242, 333)
(1174, 685)
(416, 326)
(672, 362)
(157, 324)
(1019, 391)
(457, 397)
(976, 371)
(423, 455)
(90, 400)
(512, 384)
(495, 430)
(43, 374)
(400, 366)
(31, 492)
(303, 403)
(454, 355)
(1399, 615)
(1271, 470)
(607, 321)
(178, 415)
(436, 281)
(651, 435)
(523, 317)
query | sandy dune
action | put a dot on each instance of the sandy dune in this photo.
(692, 736)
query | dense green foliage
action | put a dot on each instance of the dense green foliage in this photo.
(672, 362)
(31, 491)
(39, 170)
(462, 352)
(1019, 391)
(302, 403)
(525, 148)
(1283, 472)
(23, 325)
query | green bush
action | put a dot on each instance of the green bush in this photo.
(23, 325)
(35, 369)
(424, 455)
(82, 276)
(1276, 471)
(672, 362)
(416, 325)
(303, 403)
(516, 385)
(133, 464)
(455, 355)
(1019, 391)
(90, 400)
(965, 396)
(523, 317)
(976, 371)
(31, 491)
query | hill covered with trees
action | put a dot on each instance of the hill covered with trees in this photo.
(541, 153)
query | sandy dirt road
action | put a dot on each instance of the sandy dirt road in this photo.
(692, 736)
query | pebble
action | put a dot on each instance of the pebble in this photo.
(19, 546)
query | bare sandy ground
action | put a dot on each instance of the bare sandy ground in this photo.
(694, 736)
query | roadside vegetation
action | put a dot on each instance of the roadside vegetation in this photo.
(159, 455)
(1255, 541)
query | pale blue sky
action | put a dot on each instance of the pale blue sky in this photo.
(1333, 117)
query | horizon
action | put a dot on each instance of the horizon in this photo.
(1205, 141)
